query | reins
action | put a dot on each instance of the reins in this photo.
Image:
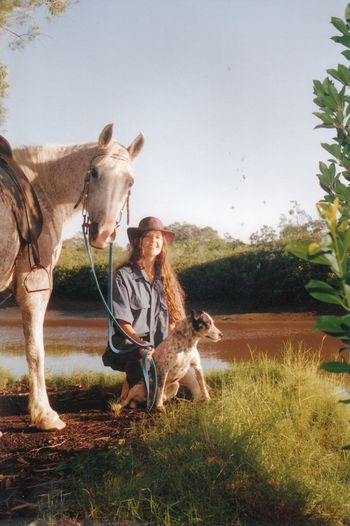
(112, 322)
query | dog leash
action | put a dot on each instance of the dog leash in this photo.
(112, 322)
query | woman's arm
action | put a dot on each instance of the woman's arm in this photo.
(128, 328)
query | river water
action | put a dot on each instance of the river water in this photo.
(76, 340)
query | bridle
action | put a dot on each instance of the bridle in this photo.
(84, 195)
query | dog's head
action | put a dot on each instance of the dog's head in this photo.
(204, 325)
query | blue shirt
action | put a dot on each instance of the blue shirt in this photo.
(141, 303)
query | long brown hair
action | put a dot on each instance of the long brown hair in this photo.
(174, 293)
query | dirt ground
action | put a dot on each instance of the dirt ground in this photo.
(28, 456)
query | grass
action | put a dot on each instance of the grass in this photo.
(8, 382)
(55, 382)
(266, 450)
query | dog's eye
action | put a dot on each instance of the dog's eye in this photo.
(94, 173)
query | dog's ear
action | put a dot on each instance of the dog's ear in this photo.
(196, 314)
(196, 319)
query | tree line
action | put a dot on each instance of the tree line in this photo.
(255, 275)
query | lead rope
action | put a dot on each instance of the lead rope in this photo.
(113, 322)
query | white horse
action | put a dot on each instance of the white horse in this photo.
(96, 174)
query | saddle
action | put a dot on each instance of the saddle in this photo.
(17, 192)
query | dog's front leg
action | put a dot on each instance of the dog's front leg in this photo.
(201, 380)
(162, 378)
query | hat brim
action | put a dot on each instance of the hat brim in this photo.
(134, 232)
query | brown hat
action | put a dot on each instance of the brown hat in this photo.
(149, 223)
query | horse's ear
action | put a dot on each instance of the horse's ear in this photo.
(105, 135)
(5, 147)
(136, 146)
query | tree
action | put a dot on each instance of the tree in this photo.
(188, 232)
(265, 237)
(299, 226)
(16, 24)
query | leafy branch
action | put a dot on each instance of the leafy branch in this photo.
(332, 96)
(19, 14)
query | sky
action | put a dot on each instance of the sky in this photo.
(221, 89)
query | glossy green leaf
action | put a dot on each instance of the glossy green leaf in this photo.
(325, 118)
(347, 240)
(335, 367)
(346, 54)
(298, 249)
(323, 292)
(333, 263)
(345, 320)
(301, 251)
(344, 40)
(343, 191)
(328, 324)
(325, 181)
(342, 74)
(347, 293)
(347, 13)
(327, 171)
(326, 126)
(340, 25)
(335, 74)
(333, 93)
(333, 326)
(333, 149)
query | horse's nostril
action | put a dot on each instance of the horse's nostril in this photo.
(93, 230)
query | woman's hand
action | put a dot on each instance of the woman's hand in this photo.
(150, 350)
(128, 328)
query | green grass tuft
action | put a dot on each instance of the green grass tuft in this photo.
(7, 381)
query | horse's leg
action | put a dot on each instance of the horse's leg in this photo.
(33, 307)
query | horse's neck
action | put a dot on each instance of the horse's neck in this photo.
(57, 174)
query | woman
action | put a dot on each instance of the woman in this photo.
(147, 300)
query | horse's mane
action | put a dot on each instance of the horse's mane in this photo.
(39, 159)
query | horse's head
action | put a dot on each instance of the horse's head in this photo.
(110, 181)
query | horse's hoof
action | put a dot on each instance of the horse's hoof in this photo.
(55, 424)
(58, 424)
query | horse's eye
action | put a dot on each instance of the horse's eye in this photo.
(94, 173)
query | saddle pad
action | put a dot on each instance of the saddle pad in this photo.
(18, 193)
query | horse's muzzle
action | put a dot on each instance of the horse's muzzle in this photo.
(101, 237)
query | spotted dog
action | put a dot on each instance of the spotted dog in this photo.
(174, 356)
